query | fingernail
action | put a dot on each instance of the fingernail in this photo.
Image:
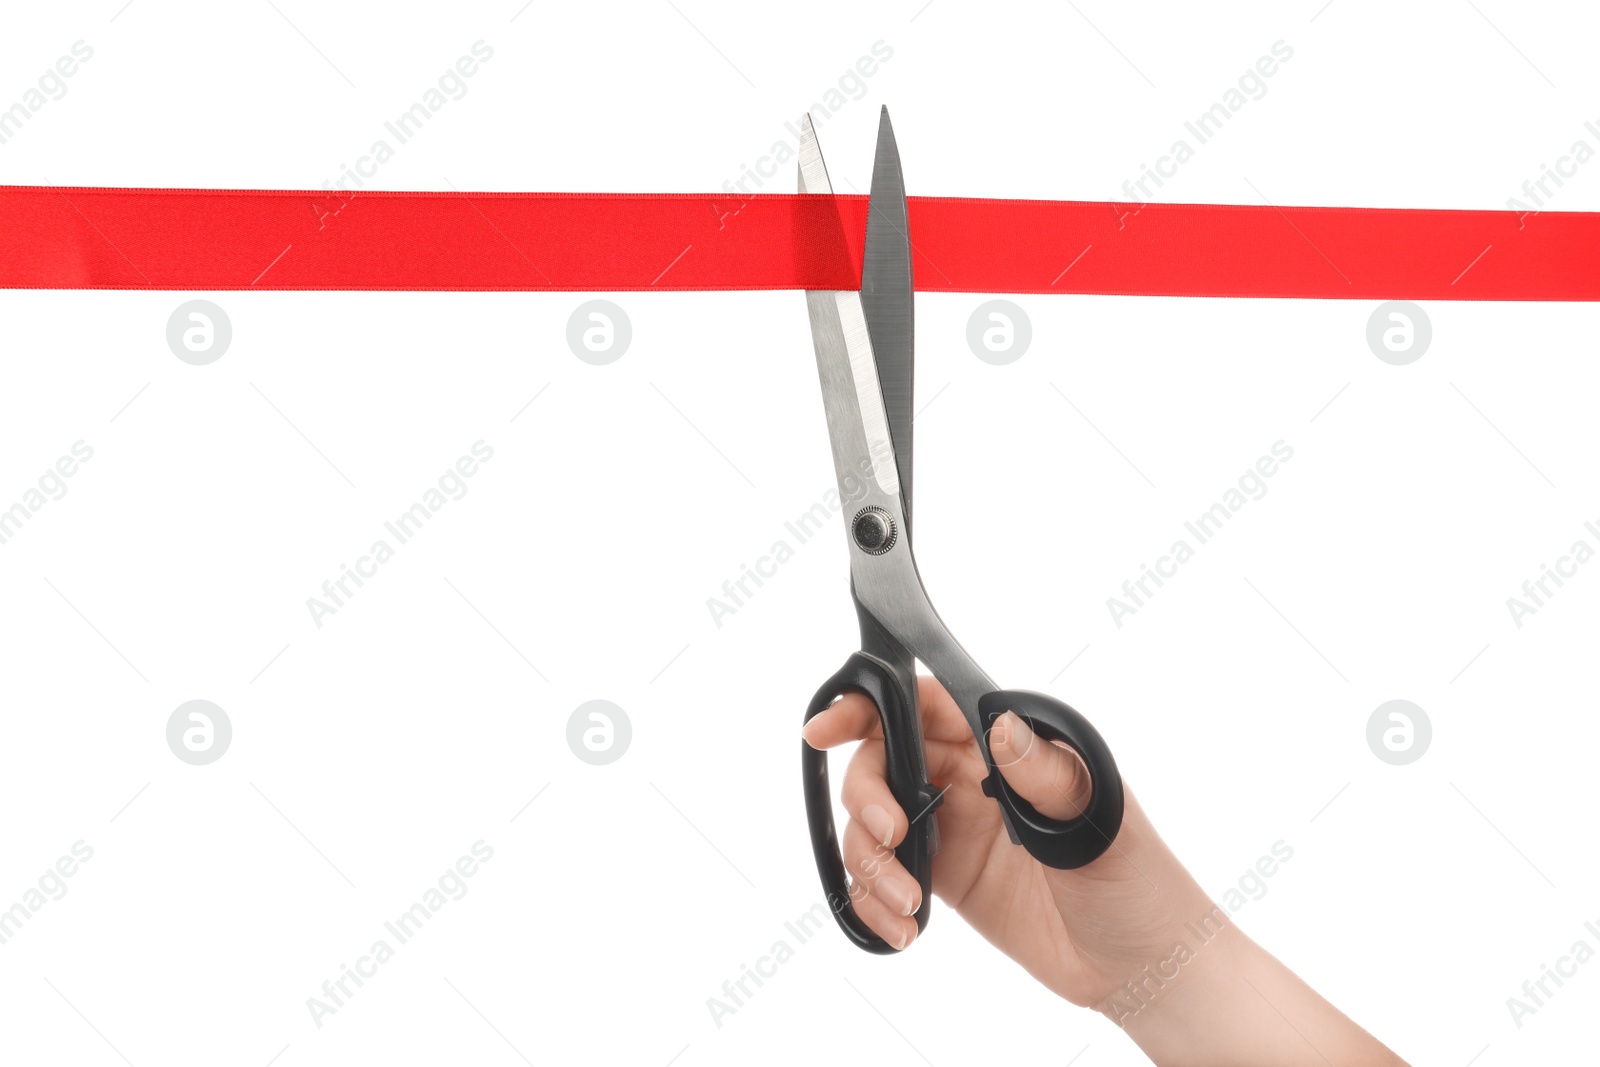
(806, 731)
(879, 823)
(902, 941)
(897, 890)
(1018, 736)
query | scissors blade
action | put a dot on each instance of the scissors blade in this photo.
(886, 297)
(813, 172)
(886, 586)
(858, 426)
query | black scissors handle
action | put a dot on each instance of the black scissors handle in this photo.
(1061, 844)
(892, 690)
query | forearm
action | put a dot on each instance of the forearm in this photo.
(1221, 999)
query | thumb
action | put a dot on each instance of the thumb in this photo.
(1049, 776)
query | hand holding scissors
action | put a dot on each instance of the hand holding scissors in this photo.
(864, 349)
(1094, 904)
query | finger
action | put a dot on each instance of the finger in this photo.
(854, 717)
(942, 719)
(874, 866)
(1050, 777)
(867, 797)
(881, 920)
(851, 718)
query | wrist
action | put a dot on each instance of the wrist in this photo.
(1224, 999)
(1173, 985)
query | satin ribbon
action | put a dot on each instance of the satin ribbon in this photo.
(72, 238)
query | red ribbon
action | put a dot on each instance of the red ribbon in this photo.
(64, 238)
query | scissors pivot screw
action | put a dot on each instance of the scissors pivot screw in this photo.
(874, 530)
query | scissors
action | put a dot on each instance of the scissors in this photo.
(864, 349)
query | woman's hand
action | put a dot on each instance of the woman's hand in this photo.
(1131, 934)
(1082, 933)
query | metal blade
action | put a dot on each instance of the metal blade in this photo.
(886, 297)
(813, 172)
(851, 393)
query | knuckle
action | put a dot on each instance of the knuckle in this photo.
(860, 790)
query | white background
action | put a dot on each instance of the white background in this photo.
(370, 753)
